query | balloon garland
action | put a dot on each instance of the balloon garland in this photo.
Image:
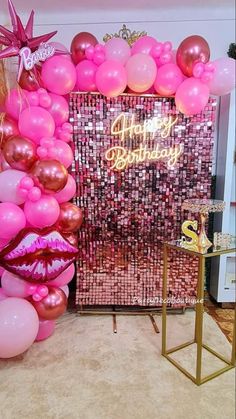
(38, 242)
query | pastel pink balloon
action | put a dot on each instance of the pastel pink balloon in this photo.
(35, 123)
(59, 109)
(62, 151)
(66, 290)
(3, 296)
(16, 102)
(46, 329)
(111, 79)
(86, 76)
(68, 192)
(223, 80)
(141, 72)
(9, 186)
(12, 220)
(64, 278)
(19, 324)
(191, 96)
(117, 49)
(143, 45)
(43, 212)
(168, 79)
(60, 47)
(14, 286)
(59, 75)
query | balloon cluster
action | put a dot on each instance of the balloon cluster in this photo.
(150, 66)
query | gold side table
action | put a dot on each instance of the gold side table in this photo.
(198, 379)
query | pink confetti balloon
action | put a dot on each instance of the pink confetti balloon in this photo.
(43, 212)
(191, 96)
(12, 220)
(86, 76)
(59, 109)
(35, 123)
(59, 75)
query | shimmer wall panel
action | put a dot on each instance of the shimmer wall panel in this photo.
(136, 160)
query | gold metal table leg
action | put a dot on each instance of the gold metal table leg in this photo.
(164, 300)
(233, 358)
(199, 318)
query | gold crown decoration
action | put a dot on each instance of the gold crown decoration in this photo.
(126, 34)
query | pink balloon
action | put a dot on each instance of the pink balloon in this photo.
(35, 123)
(19, 324)
(59, 109)
(168, 79)
(46, 329)
(3, 296)
(12, 220)
(141, 72)
(59, 75)
(143, 45)
(111, 78)
(223, 80)
(117, 49)
(43, 212)
(191, 96)
(66, 290)
(1, 271)
(60, 47)
(14, 286)
(16, 102)
(64, 278)
(62, 151)
(86, 76)
(68, 192)
(9, 186)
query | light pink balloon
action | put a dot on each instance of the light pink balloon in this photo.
(60, 47)
(64, 278)
(46, 329)
(43, 212)
(68, 192)
(19, 324)
(223, 80)
(111, 79)
(141, 72)
(168, 79)
(117, 49)
(3, 296)
(35, 123)
(12, 220)
(59, 109)
(9, 186)
(14, 286)
(59, 75)
(62, 151)
(143, 45)
(16, 102)
(66, 290)
(86, 76)
(191, 96)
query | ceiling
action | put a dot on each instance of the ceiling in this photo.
(76, 5)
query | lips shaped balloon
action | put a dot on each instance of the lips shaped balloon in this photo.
(38, 255)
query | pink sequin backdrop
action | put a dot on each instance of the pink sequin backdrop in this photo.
(128, 214)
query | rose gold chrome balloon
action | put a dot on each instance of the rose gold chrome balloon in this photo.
(8, 128)
(49, 175)
(70, 218)
(52, 306)
(192, 50)
(20, 153)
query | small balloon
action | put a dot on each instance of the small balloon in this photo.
(20, 153)
(52, 306)
(70, 218)
(49, 175)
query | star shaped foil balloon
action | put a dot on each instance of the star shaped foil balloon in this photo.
(20, 36)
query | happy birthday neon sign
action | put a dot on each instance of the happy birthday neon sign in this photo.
(121, 157)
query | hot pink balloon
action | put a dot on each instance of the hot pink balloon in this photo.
(14, 286)
(59, 75)
(192, 96)
(62, 151)
(16, 102)
(19, 324)
(117, 49)
(111, 78)
(59, 109)
(43, 212)
(12, 220)
(86, 76)
(64, 278)
(143, 45)
(168, 79)
(9, 186)
(35, 123)
(223, 80)
(141, 72)
(46, 329)
(68, 192)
